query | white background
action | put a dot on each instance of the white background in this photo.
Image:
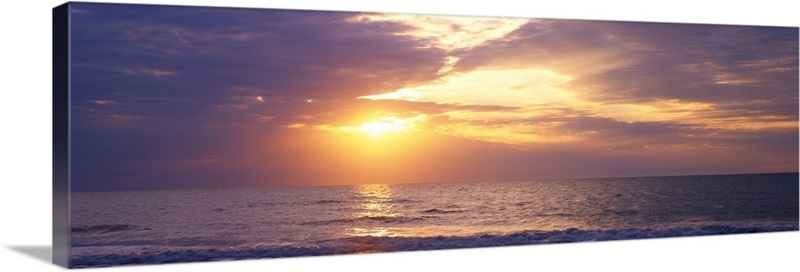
(25, 151)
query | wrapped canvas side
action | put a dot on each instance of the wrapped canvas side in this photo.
(61, 135)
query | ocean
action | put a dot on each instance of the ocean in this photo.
(147, 227)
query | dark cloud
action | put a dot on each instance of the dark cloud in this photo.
(638, 62)
(213, 55)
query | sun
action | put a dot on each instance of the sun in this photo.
(387, 124)
(383, 126)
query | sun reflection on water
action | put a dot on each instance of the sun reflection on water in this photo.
(375, 206)
(374, 232)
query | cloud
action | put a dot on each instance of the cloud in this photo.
(704, 76)
(215, 97)
(509, 88)
(208, 55)
(449, 32)
(639, 62)
(150, 72)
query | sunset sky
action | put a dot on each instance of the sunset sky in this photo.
(175, 97)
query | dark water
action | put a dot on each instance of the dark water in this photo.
(112, 228)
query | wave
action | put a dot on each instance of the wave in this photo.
(390, 244)
(442, 211)
(360, 199)
(325, 201)
(370, 218)
(106, 228)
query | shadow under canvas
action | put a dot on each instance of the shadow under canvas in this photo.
(42, 253)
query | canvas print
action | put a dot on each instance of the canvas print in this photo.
(204, 133)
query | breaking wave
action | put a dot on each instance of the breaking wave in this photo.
(145, 255)
(106, 228)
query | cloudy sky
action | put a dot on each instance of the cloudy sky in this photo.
(175, 97)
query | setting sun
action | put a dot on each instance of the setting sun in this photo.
(381, 126)
(389, 124)
(377, 128)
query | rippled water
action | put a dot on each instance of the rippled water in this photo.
(111, 228)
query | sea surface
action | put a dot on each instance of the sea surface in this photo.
(137, 227)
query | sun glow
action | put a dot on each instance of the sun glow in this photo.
(377, 128)
(385, 125)
(389, 124)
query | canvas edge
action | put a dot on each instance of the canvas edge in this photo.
(60, 107)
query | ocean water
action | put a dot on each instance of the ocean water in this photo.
(138, 227)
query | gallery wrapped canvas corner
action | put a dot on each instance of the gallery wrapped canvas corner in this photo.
(187, 134)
